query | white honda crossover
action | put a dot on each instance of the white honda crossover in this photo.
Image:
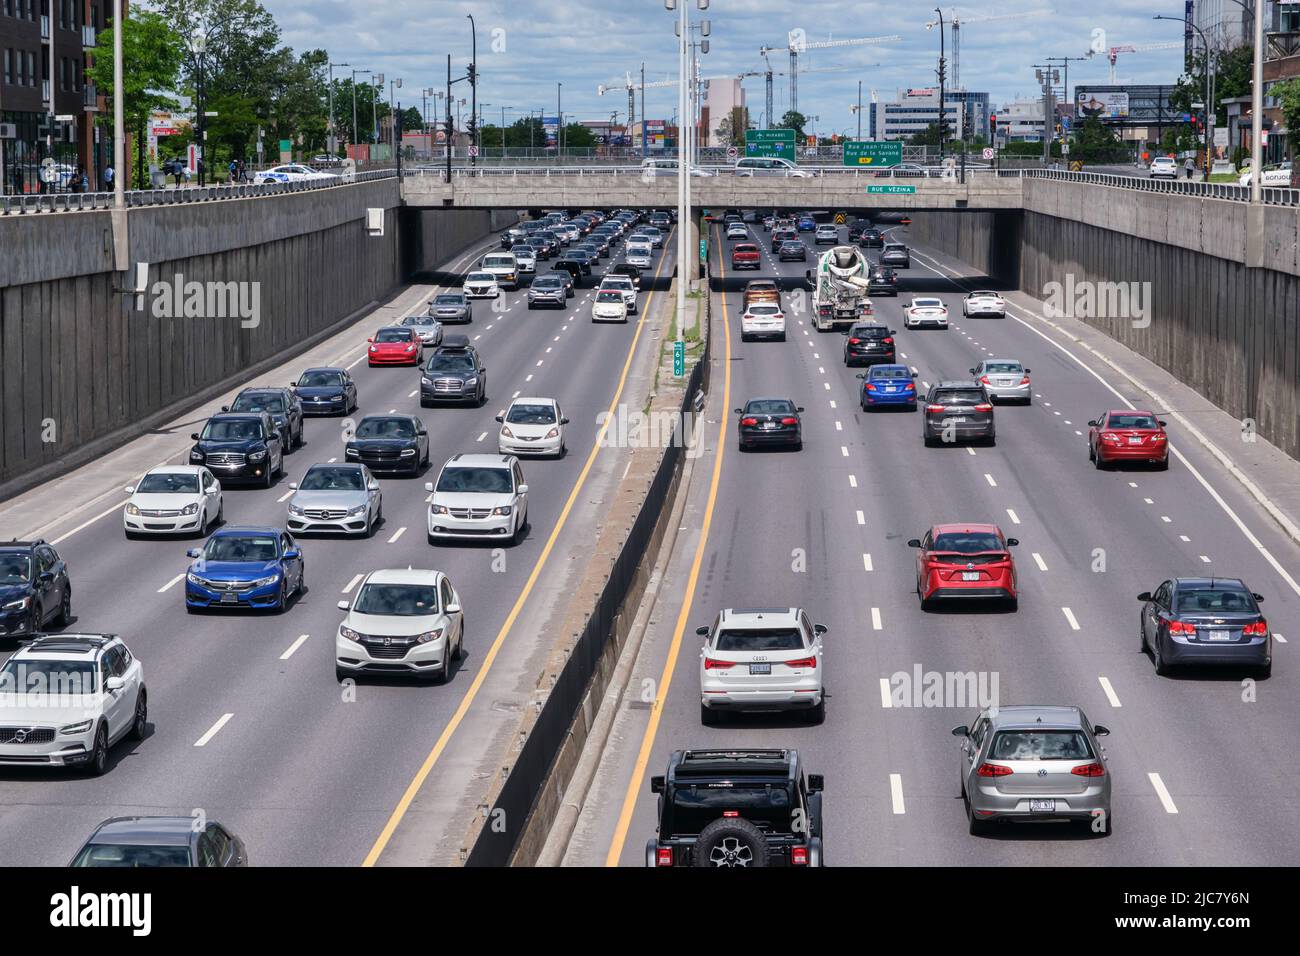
(65, 699)
(478, 496)
(406, 622)
(761, 659)
(532, 426)
(174, 499)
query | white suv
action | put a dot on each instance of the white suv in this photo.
(478, 496)
(504, 267)
(66, 699)
(401, 622)
(762, 659)
(623, 284)
(769, 166)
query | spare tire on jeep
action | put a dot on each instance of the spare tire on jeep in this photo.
(730, 841)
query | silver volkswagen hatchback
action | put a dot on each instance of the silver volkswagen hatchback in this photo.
(1031, 763)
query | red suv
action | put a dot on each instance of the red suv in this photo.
(745, 255)
(965, 561)
(1127, 435)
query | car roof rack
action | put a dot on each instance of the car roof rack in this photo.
(71, 643)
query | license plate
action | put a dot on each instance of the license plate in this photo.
(1219, 636)
(229, 599)
(1042, 806)
(769, 424)
(760, 668)
(953, 421)
(890, 389)
(970, 575)
(1134, 440)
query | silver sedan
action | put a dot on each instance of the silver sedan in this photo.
(342, 498)
(1032, 764)
(1005, 380)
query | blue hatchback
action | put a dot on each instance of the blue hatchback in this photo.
(807, 223)
(244, 568)
(888, 385)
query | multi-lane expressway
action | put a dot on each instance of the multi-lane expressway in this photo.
(248, 723)
(1201, 762)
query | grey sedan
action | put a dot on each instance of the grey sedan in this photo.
(427, 328)
(1004, 380)
(1035, 763)
(340, 498)
(451, 307)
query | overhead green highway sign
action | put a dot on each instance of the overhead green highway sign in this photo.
(859, 153)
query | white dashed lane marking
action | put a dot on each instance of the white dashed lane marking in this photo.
(212, 731)
(302, 638)
(1069, 616)
(1109, 692)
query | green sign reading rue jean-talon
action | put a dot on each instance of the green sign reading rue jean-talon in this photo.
(858, 153)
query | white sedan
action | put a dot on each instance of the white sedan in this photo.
(481, 285)
(290, 173)
(983, 302)
(401, 622)
(737, 230)
(761, 659)
(174, 499)
(532, 426)
(925, 311)
(610, 306)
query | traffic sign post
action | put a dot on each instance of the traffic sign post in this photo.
(859, 153)
(733, 153)
(778, 143)
(473, 150)
(987, 153)
(679, 359)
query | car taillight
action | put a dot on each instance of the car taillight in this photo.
(1259, 628)
(1025, 380)
(983, 407)
(664, 856)
(712, 663)
(854, 341)
(909, 387)
(934, 408)
(888, 340)
(869, 387)
(1181, 627)
(749, 421)
(993, 770)
(789, 421)
(802, 662)
(1158, 437)
(1089, 770)
(1109, 436)
(984, 379)
(731, 813)
(798, 856)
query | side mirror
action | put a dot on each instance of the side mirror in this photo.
(501, 418)
(225, 408)
(192, 553)
(913, 542)
(452, 608)
(422, 431)
(1258, 597)
(428, 486)
(893, 332)
(962, 731)
(1028, 370)
(1099, 731)
(1012, 542)
(739, 412)
(816, 783)
(564, 421)
(702, 630)
(971, 370)
(130, 489)
(913, 375)
(343, 605)
(798, 408)
(374, 485)
(114, 683)
(1144, 596)
(819, 629)
(293, 486)
(194, 436)
(45, 577)
(1162, 424)
(293, 554)
(213, 489)
(1093, 424)
(522, 489)
(370, 339)
(861, 375)
(656, 784)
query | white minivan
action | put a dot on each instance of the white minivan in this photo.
(504, 267)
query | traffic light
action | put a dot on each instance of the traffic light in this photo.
(472, 73)
(993, 126)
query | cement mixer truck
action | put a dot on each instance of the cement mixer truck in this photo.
(839, 288)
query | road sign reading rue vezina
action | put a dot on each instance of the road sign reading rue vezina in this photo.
(770, 142)
(861, 153)
(892, 190)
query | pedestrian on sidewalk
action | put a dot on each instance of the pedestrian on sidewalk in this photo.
(108, 177)
(1190, 166)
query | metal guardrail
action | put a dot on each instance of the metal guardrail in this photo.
(137, 198)
(565, 171)
(1232, 192)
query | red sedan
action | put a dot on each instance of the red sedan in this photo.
(395, 345)
(965, 561)
(745, 255)
(1127, 435)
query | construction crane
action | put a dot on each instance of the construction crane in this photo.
(769, 73)
(956, 19)
(1113, 53)
(795, 47)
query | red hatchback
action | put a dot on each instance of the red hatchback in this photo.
(1127, 435)
(965, 561)
(395, 345)
(745, 255)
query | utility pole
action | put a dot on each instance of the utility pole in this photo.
(943, 71)
(355, 129)
(559, 122)
(374, 107)
(473, 86)
(1047, 75)
(643, 130)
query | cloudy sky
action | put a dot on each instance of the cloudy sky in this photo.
(526, 47)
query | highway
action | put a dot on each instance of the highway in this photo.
(248, 724)
(1200, 762)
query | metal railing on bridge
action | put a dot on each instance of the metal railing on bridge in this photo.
(1228, 191)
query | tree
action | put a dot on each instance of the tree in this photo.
(152, 54)
(1095, 142)
(796, 121)
(577, 136)
(1288, 95)
(926, 137)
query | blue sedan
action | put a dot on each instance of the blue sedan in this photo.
(807, 223)
(888, 385)
(244, 568)
(326, 391)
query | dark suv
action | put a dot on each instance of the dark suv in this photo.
(282, 404)
(883, 281)
(240, 446)
(958, 410)
(737, 808)
(455, 373)
(867, 343)
(34, 588)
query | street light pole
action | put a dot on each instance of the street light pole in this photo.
(943, 69)
(355, 129)
(1257, 109)
(378, 81)
(333, 137)
(473, 86)
(1209, 89)
(119, 130)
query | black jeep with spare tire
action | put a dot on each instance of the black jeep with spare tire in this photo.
(737, 808)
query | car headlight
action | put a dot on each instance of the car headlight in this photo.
(132, 510)
(438, 509)
(195, 579)
(295, 510)
(471, 381)
(20, 605)
(257, 456)
(354, 453)
(359, 510)
(504, 511)
(554, 432)
(348, 634)
(190, 509)
(77, 728)
(425, 381)
(196, 455)
(374, 348)
(407, 452)
(428, 636)
(268, 580)
(506, 432)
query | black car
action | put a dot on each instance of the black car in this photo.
(567, 275)
(780, 236)
(867, 343)
(455, 373)
(955, 411)
(737, 808)
(34, 588)
(134, 842)
(282, 404)
(576, 268)
(883, 281)
(543, 245)
(583, 257)
(869, 238)
(857, 227)
(240, 446)
(390, 443)
(792, 251)
(325, 391)
(770, 421)
(1212, 621)
(626, 269)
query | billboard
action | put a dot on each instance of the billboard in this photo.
(654, 131)
(1103, 104)
(550, 124)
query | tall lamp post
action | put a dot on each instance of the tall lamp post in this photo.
(333, 144)
(473, 86)
(356, 130)
(1256, 11)
(858, 110)
(1209, 88)
(393, 84)
(943, 79)
(198, 48)
(376, 91)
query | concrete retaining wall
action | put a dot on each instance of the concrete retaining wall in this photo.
(988, 241)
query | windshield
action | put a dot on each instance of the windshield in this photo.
(117, 855)
(452, 362)
(760, 639)
(498, 262)
(763, 309)
(231, 430)
(891, 373)
(320, 379)
(773, 406)
(610, 295)
(1003, 368)
(694, 808)
(393, 335)
(492, 481)
(385, 428)
(1132, 421)
(479, 277)
(56, 677)
(966, 542)
(1040, 745)
(1214, 600)
(332, 478)
(531, 415)
(549, 282)
(398, 600)
(15, 568)
(258, 403)
(419, 320)
(229, 547)
(168, 484)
